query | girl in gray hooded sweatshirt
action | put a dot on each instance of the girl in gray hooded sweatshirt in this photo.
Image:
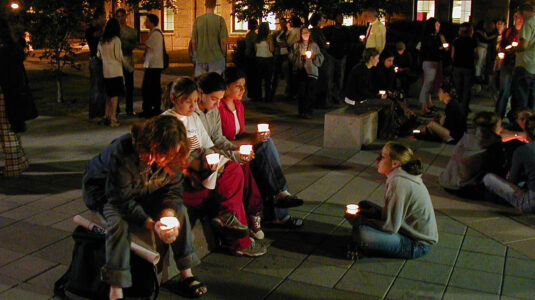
(405, 227)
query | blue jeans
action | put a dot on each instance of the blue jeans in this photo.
(510, 192)
(430, 73)
(267, 171)
(214, 66)
(523, 84)
(505, 91)
(462, 78)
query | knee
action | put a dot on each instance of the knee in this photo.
(118, 227)
(488, 179)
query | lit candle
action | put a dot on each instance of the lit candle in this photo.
(381, 92)
(168, 223)
(508, 47)
(362, 37)
(396, 69)
(514, 44)
(212, 159)
(328, 43)
(416, 131)
(263, 127)
(501, 55)
(445, 45)
(246, 149)
(352, 209)
(308, 54)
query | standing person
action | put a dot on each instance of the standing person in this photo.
(432, 44)
(264, 62)
(250, 56)
(306, 58)
(209, 40)
(523, 81)
(281, 70)
(128, 44)
(135, 182)
(97, 94)
(511, 35)
(464, 53)
(294, 35)
(339, 38)
(406, 226)
(404, 62)
(323, 89)
(109, 50)
(151, 88)
(14, 106)
(376, 33)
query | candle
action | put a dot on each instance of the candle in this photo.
(445, 45)
(328, 43)
(514, 44)
(396, 69)
(308, 54)
(362, 37)
(416, 131)
(246, 149)
(352, 209)
(263, 127)
(212, 159)
(381, 92)
(508, 47)
(168, 223)
(501, 55)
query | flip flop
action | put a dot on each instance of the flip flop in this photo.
(193, 289)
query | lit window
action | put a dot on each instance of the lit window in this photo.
(241, 26)
(348, 21)
(425, 9)
(168, 19)
(461, 11)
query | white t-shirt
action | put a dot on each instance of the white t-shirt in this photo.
(195, 131)
(112, 58)
(262, 49)
(154, 52)
(236, 121)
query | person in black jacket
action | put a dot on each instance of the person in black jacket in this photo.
(359, 84)
(384, 76)
(133, 183)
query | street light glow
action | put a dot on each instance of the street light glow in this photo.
(14, 5)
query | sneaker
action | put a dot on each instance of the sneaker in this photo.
(255, 249)
(255, 229)
(229, 225)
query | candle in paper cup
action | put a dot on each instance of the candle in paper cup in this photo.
(263, 127)
(416, 131)
(514, 44)
(212, 159)
(168, 223)
(382, 92)
(246, 149)
(362, 37)
(352, 209)
(508, 47)
(396, 69)
(308, 54)
(501, 55)
(328, 43)
(445, 45)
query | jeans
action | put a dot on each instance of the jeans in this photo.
(214, 66)
(462, 78)
(151, 91)
(510, 192)
(264, 70)
(336, 74)
(267, 171)
(129, 96)
(523, 84)
(430, 72)
(481, 59)
(505, 91)
(97, 93)
(307, 92)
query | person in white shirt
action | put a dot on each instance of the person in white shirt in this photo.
(376, 33)
(151, 88)
(109, 50)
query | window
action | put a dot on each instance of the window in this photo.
(461, 11)
(425, 9)
(348, 21)
(241, 26)
(168, 19)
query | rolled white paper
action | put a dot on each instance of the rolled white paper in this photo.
(352, 209)
(501, 55)
(263, 127)
(508, 47)
(213, 158)
(168, 223)
(246, 149)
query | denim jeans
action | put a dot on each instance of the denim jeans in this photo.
(215, 66)
(430, 72)
(462, 78)
(505, 91)
(267, 171)
(510, 192)
(264, 70)
(97, 93)
(129, 95)
(151, 90)
(523, 84)
(337, 76)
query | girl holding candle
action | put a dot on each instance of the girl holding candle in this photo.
(359, 85)
(232, 186)
(306, 59)
(134, 183)
(266, 166)
(405, 227)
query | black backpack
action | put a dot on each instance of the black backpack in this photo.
(82, 279)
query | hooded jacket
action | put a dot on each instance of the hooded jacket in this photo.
(408, 208)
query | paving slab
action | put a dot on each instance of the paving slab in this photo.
(290, 289)
(518, 287)
(366, 283)
(426, 271)
(318, 274)
(26, 268)
(412, 289)
(476, 280)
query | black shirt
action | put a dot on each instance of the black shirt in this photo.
(384, 79)
(339, 38)
(404, 60)
(455, 120)
(359, 85)
(92, 36)
(431, 48)
(464, 56)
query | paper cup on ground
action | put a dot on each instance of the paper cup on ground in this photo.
(246, 149)
(352, 209)
(263, 127)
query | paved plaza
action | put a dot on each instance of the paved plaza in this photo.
(485, 251)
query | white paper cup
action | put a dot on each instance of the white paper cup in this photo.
(263, 127)
(213, 158)
(514, 44)
(445, 45)
(501, 55)
(362, 37)
(168, 223)
(352, 209)
(308, 54)
(381, 92)
(416, 131)
(246, 149)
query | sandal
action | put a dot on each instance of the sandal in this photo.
(288, 201)
(192, 287)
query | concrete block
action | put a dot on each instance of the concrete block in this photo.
(349, 129)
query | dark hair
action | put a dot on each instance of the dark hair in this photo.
(465, 28)
(162, 134)
(295, 21)
(486, 120)
(211, 82)
(369, 53)
(120, 10)
(530, 128)
(210, 3)
(233, 74)
(180, 87)
(112, 29)
(263, 32)
(315, 19)
(525, 7)
(310, 39)
(429, 27)
(153, 19)
(252, 24)
(405, 155)
(386, 54)
(447, 87)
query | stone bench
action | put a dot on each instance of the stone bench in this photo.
(350, 128)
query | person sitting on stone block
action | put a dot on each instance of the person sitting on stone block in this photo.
(134, 182)
(406, 226)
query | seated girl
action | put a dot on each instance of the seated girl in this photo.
(514, 134)
(230, 188)
(133, 183)
(266, 165)
(475, 155)
(519, 188)
(359, 86)
(384, 76)
(405, 227)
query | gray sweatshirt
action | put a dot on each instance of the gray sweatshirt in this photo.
(212, 123)
(408, 208)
